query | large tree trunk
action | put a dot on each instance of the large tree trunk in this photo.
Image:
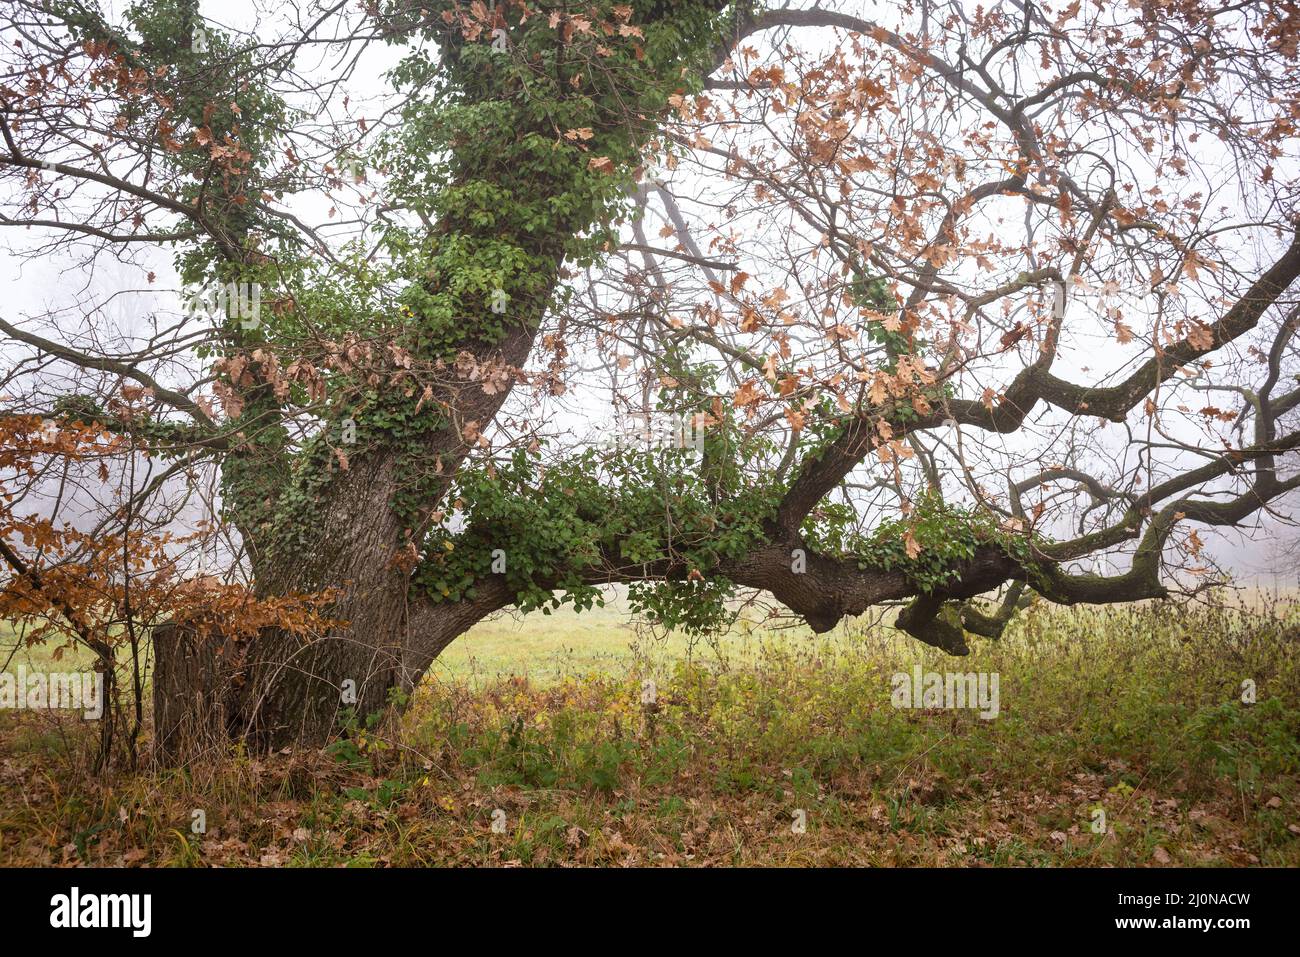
(278, 688)
(297, 687)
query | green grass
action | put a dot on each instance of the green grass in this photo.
(40, 657)
(543, 648)
(1136, 712)
(548, 648)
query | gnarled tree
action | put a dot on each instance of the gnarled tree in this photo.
(945, 301)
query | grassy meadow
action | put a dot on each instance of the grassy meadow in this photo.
(1121, 739)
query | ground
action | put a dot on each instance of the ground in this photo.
(1121, 739)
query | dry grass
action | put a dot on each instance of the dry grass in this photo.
(1135, 712)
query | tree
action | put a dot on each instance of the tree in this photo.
(893, 255)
